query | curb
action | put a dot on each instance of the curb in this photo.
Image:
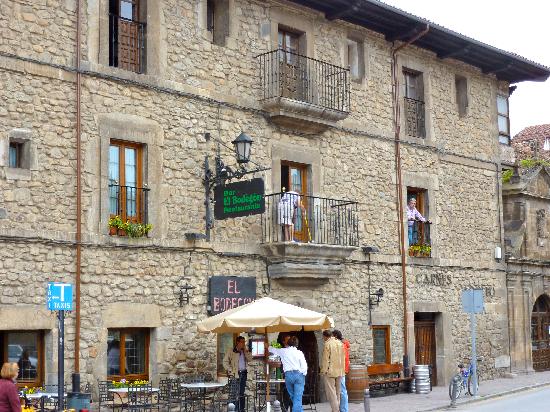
(487, 397)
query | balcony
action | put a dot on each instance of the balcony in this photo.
(419, 240)
(126, 44)
(415, 119)
(128, 207)
(303, 93)
(326, 232)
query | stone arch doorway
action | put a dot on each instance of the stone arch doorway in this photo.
(540, 333)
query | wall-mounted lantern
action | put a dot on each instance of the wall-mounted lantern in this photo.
(186, 291)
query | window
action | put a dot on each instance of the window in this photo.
(26, 348)
(354, 59)
(289, 42)
(128, 354)
(127, 196)
(461, 88)
(503, 120)
(127, 35)
(414, 104)
(418, 232)
(294, 177)
(217, 20)
(381, 345)
(16, 155)
(257, 347)
(226, 341)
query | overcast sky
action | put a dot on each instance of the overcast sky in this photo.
(522, 27)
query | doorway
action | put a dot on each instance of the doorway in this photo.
(540, 333)
(308, 345)
(294, 177)
(425, 343)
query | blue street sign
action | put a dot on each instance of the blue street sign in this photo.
(60, 296)
(472, 300)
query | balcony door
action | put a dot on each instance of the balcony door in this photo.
(127, 36)
(414, 104)
(292, 66)
(294, 178)
(125, 180)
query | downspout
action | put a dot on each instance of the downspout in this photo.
(76, 376)
(399, 189)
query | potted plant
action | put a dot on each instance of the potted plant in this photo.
(425, 250)
(115, 223)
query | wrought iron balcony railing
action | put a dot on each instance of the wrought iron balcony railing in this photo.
(126, 44)
(419, 239)
(415, 119)
(320, 221)
(291, 75)
(130, 203)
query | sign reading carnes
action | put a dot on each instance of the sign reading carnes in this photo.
(228, 292)
(239, 199)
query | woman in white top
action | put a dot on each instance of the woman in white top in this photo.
(295, 369)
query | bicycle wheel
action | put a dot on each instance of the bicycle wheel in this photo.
(458, 378)
(471, 385)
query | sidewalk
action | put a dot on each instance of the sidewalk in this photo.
(438, 399)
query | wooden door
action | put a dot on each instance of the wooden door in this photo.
(425, 350)
(540, 334)
(129, 36)
(294, 178)
(308, 345)
(291, 66)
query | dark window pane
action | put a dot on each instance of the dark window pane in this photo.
(379, 345)
(113, 353)
(135, 353)
(23, 349)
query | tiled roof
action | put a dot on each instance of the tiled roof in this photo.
(538, 132)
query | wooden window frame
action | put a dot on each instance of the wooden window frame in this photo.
(140, 150)
(419, 80)
(39, 381)
(122, 354)
(507, 116)
(388, 351)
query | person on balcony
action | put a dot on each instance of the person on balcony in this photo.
(289, 202)
(413, 215)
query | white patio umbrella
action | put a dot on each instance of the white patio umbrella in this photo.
(265, 315)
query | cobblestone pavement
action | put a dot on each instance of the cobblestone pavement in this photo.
(438, 399)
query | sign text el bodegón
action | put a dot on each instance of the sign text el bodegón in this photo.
(239, 199)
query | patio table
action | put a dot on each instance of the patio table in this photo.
(203, 387)
(280, 388)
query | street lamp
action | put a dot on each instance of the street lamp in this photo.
(243, 144)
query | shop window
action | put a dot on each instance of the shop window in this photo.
(217, 20)
(415, 123)
(461, 89)
(355, 59)
(127, 34)
(128, 354)
(127, 196)
(503, 120)
(26, 348)
(381, 345)
(226, 342)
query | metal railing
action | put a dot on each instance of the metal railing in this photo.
(130, 203)
(287, 74)
(415, 119)
(419, 239)
(320, 220)
(126, 44)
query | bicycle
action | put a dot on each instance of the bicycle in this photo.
(464, 376)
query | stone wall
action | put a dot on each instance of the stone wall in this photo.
(207, 88)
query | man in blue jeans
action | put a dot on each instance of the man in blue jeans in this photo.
(343, 391)
(295, 369)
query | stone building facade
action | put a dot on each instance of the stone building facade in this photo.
(525, 201)
(153, 81)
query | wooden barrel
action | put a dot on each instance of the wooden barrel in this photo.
(357, 380)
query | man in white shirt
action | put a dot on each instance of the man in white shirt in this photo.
(295, 369)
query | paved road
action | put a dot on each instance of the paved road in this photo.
(531, 401)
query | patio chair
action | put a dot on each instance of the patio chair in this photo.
(140, 398)
(190, 401)
(48, 404)
(169, 395)
(228, 394)
(310, 390)
(108, 399)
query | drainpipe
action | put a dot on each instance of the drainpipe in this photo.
(399, 189)
(76, 375)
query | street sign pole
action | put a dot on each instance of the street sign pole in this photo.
(60, 359)
(474, 354)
